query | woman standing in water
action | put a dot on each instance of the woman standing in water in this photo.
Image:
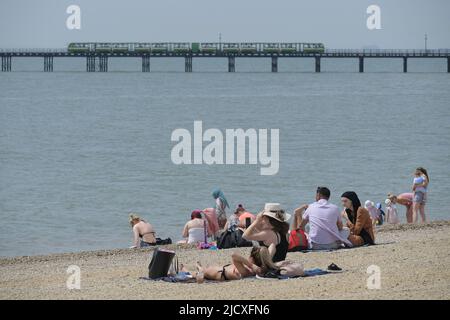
(221, 205)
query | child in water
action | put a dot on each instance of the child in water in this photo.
(392, 213)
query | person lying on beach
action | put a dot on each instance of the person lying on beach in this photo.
(259, 262)
(358, 220)
(326, 230)
(195, 229)
(271, 227)
(144, 234)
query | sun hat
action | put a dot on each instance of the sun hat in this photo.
(275, 211)
(368, 204)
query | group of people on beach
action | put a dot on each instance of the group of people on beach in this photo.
(271, 236)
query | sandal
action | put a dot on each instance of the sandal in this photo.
(333, 268)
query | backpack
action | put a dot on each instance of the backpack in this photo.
(232, 239)
(297, 241)
(160, 241)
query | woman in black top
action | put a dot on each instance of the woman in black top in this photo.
(270, 229)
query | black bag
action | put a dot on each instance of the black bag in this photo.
(232, 239)
(160, 241)
(160, 264)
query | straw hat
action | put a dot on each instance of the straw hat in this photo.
(275, 211)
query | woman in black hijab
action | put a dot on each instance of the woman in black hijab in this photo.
(358, 220)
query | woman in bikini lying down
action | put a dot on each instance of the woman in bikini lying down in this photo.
(259, 263)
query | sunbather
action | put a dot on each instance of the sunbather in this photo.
(259, 262)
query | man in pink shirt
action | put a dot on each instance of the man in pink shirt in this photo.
(326, 230)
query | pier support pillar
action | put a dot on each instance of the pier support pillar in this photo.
(145, 63)
(90, 63)
(274, 64)
(231, 64)
(448, 64)
(6, 63)
(361, 64)
(188, 63)
(103, 63)
(317, 64)
(405, 64)
(48, 63)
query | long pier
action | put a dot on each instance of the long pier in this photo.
(98, 61)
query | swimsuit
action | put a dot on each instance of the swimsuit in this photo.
(281, 248)
(223, 275)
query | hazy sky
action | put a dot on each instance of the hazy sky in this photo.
(338, 24)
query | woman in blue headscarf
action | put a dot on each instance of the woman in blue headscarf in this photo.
(221, 205)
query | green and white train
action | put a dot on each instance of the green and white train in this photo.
(195, 47)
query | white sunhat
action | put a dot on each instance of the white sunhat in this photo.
(369, 203)
(275, 211)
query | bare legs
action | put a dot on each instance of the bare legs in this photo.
(422, 212)
(298, 214)
(419, 208)
(409, 214)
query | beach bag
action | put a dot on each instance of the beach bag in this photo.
(160, 241)
(297, 241)
(232, 239)
(204, 244)
(160, 263)
(290, 269)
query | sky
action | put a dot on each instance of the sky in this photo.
(336, 23)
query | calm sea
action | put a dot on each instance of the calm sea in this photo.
(79, 151)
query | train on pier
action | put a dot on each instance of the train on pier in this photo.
(205, 48)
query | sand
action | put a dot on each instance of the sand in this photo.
(414, 262)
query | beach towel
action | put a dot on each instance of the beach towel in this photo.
(184, 277)
(211, 217)
(307, 273)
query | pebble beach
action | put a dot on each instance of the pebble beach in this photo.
(413, 261)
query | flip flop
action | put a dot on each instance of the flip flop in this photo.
(334, 268)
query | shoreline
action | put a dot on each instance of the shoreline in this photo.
(413, 259)
(175, 246)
